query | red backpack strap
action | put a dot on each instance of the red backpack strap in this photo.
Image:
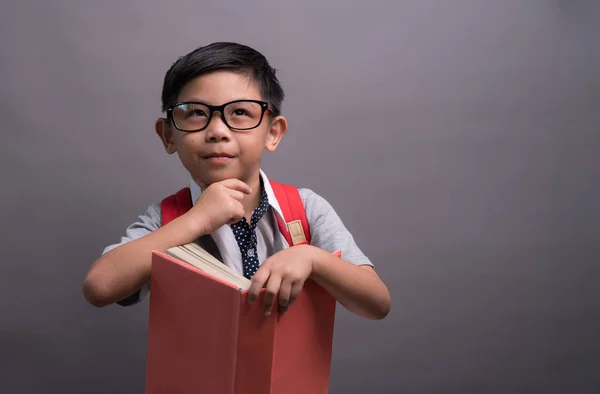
(175, 205)
(294, 214)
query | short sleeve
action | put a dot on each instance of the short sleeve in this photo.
(327, 231)
(146, 223)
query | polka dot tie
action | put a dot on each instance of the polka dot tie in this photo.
(245, 235)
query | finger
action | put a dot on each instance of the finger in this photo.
(234, 209)
(258, 281)
(237, 213)
(234, 219)
(236, 184)
(238, 195)
(271, 291)
(284, 295)
(295, 291)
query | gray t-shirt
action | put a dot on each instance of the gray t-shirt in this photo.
(327, 232)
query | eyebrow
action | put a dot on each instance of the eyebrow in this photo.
(198, 99)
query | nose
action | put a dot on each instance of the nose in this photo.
(217, 130)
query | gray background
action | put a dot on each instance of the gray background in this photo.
(458, 141)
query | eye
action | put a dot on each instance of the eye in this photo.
(192, 111)
(240, 112)
(195, 112)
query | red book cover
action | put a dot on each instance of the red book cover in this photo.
(204, 337)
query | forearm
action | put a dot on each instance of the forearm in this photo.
(358, 288)
(125, 269)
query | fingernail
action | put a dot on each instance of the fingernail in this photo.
(267, 312)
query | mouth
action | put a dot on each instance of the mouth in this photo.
(218, 158)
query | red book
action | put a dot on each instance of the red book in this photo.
(204, 337)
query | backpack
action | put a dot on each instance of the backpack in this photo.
(295, 229)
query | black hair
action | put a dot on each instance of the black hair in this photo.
(223, 56)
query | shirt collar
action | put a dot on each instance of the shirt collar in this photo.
(273, 203)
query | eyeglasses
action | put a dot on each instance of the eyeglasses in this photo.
(237, 115)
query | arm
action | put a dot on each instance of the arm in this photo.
(124, 270)
(358, 288)
(350, 279)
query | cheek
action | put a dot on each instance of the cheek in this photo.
(252, 146)
(187, 143)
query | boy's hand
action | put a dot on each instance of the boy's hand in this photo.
(283, 275)
(219, 204)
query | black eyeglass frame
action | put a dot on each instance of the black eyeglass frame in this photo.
(221, 108)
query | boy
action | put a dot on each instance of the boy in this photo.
(223, 108)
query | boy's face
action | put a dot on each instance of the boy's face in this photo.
(239, 151)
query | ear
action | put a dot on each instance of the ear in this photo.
(165, 132)
(277, 130)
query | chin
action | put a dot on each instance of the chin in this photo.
(210, 177)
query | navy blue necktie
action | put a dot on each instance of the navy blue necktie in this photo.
(245, 235)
